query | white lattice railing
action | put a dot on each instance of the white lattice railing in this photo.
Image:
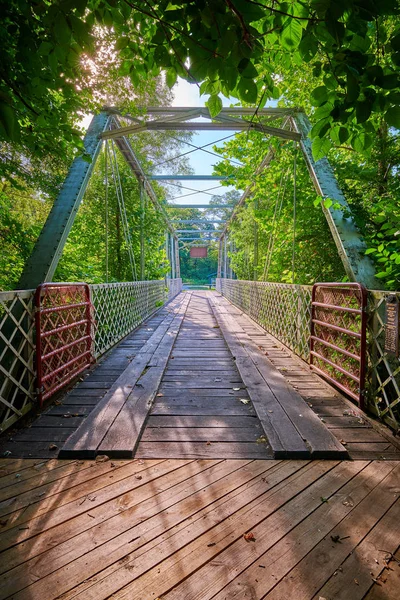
(284, 311)
(17, 348)
(118, 309)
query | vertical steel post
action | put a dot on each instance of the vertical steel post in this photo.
(219, 269)
(173, 256)
(255, 257)
(42, 263)
(142, 215)
(225, 257)
(168, 275)
(177, 261)
(348, 239)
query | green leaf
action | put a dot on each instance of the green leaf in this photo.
(392, 116)
(328, 203)
(363, 111)
(343, 134)
(318, 201)
(214, 104)
(247, 90)
(362, 142)
(8, 121)
(370, 251)
(291, 34)
(319, 95)
(170, 78)
(320, 148)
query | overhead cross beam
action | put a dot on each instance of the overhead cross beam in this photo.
(181, 121)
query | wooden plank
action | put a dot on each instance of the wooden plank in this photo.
(45, 434)
(321, 442)
(168, 392)
(305, 580)
(46, 488)
(283, 437)
(204, 383)
(69, 520)
(205, 434)
(148, 577)
(86, 440)
(119, 529)
(199, 409)
(197, 450)
(276, 558)
(360, 434)
(122, 436)
(36, 476)
(366, 562)
(170, 523)
(244, 578)
(388, 584)
(200, 422)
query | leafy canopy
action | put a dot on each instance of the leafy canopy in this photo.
(234, 47)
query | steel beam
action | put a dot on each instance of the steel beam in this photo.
(234, 110)
(190, 178)
(211, 126)
(42, 263)
(198, 221)
(213, 231)
(349, 242)
(200, 205)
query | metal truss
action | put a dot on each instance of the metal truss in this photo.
(295, 126)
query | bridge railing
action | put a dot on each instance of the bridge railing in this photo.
(118, 309)
(284, 311)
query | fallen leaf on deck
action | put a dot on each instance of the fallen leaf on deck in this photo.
(244, 400)
(210, 545)
(261, 440)
(138, 477)
(249, 537)
(348, 501)
(102, 458)
(324, 499)
(236, 389)
(208, 443)
(53, 447)
(356, 582)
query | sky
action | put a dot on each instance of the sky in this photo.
(186, 94)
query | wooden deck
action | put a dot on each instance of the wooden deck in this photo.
(202, 380)
(199, 529)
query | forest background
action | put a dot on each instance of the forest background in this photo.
(338, 60)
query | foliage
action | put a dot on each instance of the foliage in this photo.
(97, 247)
(22, 213)
(291, 249)
(235, 47)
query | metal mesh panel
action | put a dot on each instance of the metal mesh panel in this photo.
(383, 376)
(120, 307)
(284, 310)
(174, 287)
(17, 348)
